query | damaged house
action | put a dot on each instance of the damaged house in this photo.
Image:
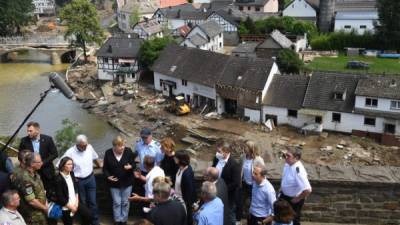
(226, 84)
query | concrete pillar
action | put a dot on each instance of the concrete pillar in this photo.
(55, 58)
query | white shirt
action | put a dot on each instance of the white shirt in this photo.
(247, 171)
(294, 179)
(178, 181)
(71, 190)
(148, 186)
(11, 217)
(221, 164)
(83, 161)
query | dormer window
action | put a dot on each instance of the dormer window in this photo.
(338, 96)
(371, 102)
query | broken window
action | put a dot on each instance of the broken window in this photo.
(292, 113)
(369, 121)
(336, 117)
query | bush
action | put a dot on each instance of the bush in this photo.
(340, 40)
(289, 62)
(65, 137)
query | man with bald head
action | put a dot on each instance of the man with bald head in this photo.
(212, 175)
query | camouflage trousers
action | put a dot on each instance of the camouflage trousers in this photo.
(36, 218)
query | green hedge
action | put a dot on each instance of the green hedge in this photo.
(340, 40)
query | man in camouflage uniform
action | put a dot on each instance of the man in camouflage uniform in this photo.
(34, 205)
(16, 174)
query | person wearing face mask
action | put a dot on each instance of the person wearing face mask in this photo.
(119, 164)
(83, 156)
(295, 186)
(229, 171)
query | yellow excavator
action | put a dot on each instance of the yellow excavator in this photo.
(179, 106)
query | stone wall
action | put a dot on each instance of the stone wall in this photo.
(358, 195)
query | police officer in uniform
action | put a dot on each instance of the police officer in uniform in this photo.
(34, 205)
(295, 186)
(147, 146)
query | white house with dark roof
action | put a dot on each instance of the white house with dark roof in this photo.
(359, 104)
(207, 36)
(149, 28)
(125, 9)
(360, 21)
(117, 59)
(224, 83)
(301, 10)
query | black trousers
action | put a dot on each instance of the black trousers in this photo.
(67, 219)
(253, 220)
(296, 207)
(243, 200)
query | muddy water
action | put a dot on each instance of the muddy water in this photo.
(21, 83)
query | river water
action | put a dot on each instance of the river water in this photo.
(22, 82)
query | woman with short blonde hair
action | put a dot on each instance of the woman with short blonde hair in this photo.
(168, 163)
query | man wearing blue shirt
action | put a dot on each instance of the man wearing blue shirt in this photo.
(263, 197)
(212, 211)
(147, 146)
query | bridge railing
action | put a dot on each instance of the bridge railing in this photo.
(42, 39)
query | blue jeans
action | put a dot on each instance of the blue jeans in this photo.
(87, 195)
(121, 203)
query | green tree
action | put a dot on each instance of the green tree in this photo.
(389, 23)
(289, 62)
(65, 137)
(82, 24)
(135, 16)
(14, 14)
(150, 49)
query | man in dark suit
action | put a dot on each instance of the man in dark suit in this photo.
(44, 145)
(212, 175)
(230, 172)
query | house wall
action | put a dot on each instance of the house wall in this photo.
(274, 70)
(299, 8)
(383, 104)
(43, 6)
(106, 68)
(254, 115)
(355, 24)
(272, 6)
(348, 122)
(228, 27)
(215, 44)
(190, 89)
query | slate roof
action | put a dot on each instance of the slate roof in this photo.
(278, 38)
(150, 26)
(211, 28)
(120, 47)
(287, 91)
(197, 40)
(246, 47)
(211, 69)
(379, 86)
(355, 4)
(186, 12)
(321, 89)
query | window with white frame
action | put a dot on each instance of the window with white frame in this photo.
(395, 105)
(371, 102)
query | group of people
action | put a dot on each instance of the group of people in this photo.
(154, 176)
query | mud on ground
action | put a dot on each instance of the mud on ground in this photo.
(139, 106)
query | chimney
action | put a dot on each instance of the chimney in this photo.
(109, 49)
(178, 15)
(230, 11)
(205, 10)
